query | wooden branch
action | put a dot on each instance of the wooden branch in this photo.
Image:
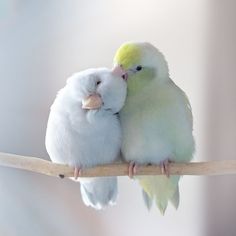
(119, 169)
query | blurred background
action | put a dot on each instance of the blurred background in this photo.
(44, 42)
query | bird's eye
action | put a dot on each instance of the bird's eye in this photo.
(98, 82)
(138, 68)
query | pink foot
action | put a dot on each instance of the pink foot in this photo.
(77, 172)
(165, 167)
(132, 169)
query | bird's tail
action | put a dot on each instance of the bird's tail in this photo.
(99, 192)
(161, 190)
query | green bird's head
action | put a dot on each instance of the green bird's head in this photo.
(140, 63)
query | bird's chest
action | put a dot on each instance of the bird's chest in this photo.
(96, 141)
(145, 137)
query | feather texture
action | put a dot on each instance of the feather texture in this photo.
(86, 138)
(156, 122)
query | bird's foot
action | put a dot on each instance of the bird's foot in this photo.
(77, 172)
(132, 169)
(165, 167)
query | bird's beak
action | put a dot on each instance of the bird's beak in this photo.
(92, 102)
(119, 71)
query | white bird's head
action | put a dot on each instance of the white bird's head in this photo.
(98, 88)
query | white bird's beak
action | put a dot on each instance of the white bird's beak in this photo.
(119, 71)
(92, 102)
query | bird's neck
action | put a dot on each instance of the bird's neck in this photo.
(94, 116)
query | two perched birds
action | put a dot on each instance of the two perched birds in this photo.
(135, 109)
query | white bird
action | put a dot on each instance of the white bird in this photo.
(84, 130)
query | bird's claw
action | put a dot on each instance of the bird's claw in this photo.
(77, 172)
(132, 169)
(165, 167)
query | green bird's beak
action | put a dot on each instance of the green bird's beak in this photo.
(119, 71)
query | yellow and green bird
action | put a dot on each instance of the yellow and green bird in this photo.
(156, 120)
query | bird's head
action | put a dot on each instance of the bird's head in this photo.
(98, 89)
(140, 63)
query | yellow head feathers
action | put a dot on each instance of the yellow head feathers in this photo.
(133, 54)
(128, 55)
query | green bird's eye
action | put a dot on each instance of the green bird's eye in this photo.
(138, 68)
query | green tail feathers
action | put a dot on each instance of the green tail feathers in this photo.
(175, 198)
(161, 190)
(147, 200)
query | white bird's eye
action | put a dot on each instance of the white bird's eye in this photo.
(138, 68)
(98, 82)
